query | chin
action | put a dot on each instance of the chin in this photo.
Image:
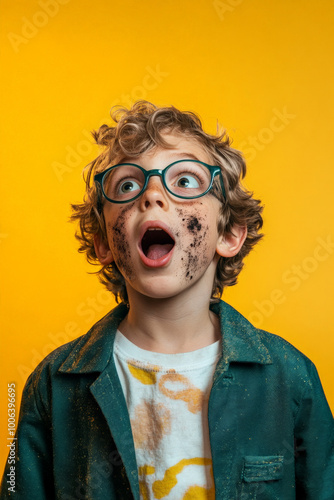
(161, 288)
(161, 292)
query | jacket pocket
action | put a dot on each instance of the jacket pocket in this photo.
(263, 468)
(261, 477)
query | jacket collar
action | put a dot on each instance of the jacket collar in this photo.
(241, 342)
(92, 352)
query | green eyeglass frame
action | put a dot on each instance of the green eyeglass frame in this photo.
(214, 170)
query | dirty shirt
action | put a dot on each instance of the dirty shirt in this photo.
(167, 398)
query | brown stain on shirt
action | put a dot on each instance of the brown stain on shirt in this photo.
(151, 422)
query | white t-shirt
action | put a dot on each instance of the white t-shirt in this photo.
(167, 397)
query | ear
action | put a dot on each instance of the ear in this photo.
(102, 250)
(230, 244)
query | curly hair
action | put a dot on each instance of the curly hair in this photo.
(139, 130)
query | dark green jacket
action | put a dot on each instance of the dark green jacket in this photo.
(271, 430)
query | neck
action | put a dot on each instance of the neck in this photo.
(171, 325)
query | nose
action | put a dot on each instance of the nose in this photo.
(154, 195)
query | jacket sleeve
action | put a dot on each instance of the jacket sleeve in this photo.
(314, 443)
(33, 461)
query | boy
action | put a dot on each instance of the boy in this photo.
(173, 394)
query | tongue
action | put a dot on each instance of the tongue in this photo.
(157, 251)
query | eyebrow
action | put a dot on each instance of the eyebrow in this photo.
(188, 156)
(176, 155)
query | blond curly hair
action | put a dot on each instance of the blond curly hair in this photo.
(137, 131)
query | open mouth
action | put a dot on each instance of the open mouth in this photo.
(156, 243)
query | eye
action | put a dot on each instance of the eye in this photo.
(187, 181)
(129, 186)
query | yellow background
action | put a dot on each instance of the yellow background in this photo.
(262, 68)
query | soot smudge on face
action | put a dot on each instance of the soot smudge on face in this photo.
(194, 224)
(196, 252)
(122, 250)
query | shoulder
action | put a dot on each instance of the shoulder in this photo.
(281, 350)
(269, 349)
(298, 369)
(267, 356)
(86, 353)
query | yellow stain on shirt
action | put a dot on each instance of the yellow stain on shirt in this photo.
(145, 470)
(144, 491)
(163, 487)
(199, 493)
(192, 395)
(144, 375)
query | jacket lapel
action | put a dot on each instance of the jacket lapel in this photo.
(94, 353)
(108, 394)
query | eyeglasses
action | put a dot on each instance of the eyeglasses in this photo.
(186, 179)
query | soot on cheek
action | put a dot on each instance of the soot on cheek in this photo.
(196, 252)
(193, 225)
(121, 248)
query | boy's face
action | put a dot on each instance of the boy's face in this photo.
(162, 244)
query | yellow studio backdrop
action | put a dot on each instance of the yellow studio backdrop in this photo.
(262, 68)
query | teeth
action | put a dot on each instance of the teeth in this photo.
(154, 229)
